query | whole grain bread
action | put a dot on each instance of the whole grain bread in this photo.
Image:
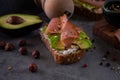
(62, 58)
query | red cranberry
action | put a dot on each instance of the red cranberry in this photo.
(2, 44)
(84, 65)
(33, 67)
(9, 46)
(36, 54)
(22, 42)
(23, 50)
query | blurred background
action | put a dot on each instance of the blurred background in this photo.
(18, 6)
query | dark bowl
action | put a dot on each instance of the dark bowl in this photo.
(111, 12)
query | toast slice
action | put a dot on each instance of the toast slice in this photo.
(61, 58)
(107, 32)
(66, 42)
(90, 8)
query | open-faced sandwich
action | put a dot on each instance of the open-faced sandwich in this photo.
(66, 42)
(89, 8)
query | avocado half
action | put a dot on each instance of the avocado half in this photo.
(19, 24)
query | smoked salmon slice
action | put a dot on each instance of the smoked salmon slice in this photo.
(54, 26)
(63, 19)
(68, 33)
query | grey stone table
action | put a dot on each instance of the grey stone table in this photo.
(48, 69)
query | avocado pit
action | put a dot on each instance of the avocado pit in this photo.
(15, 20)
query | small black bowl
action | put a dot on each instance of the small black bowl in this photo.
(111, 12)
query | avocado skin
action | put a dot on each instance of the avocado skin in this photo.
(21, 31)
